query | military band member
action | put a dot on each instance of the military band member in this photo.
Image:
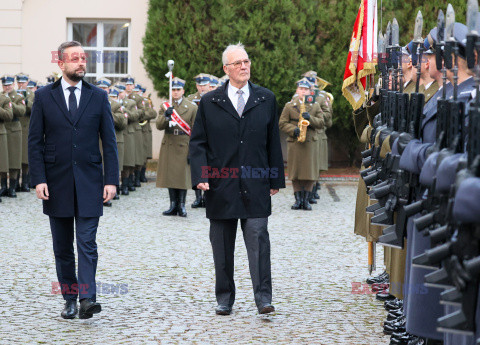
(173, 168)
(14, 133)
(129, 140)
(202, 82)
(132, 93)
(150, 114)
(302, 157)
(6, 115)
(25, 91)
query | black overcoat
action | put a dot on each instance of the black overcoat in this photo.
(240, 157)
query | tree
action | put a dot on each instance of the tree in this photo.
(284, 38)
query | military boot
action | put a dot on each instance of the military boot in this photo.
(198, 199)
(3, 188)
(173, 210)
(131, 180)
(124, 186)
(116, 197)
(107, 204)
(137, 179)
(312, 195)
(25, 183)
(18, 187)
(182, 195)
(298, 200)
(204, 203)
(11, 190)
(306, 201)
(143, 178)
(317, 188)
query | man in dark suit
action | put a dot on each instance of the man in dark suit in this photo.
(236, 158)
(68, 118)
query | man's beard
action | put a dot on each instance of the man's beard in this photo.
(74, 76)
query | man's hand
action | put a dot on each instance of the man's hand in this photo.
(109, 192)
(203, 186)
(273, 192)
(306, 116)
(296, 132)
(42, 191)
(168, 113)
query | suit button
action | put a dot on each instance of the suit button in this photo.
(241, 141)
(74, 146)
(74, 162)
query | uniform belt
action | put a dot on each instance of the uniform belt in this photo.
(175, 131)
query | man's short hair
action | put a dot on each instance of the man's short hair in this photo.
(232, 47)
(66, 45)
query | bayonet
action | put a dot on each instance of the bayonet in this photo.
(472, 36)
(450, 23)
(417, 33)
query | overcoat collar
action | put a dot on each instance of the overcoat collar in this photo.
(58, 96)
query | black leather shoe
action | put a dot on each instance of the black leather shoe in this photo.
(136, 182)
(397, 322)
(182, 195)
(397, 327)
(384, 296)
(317, 188)
(3, 188)
(173, 210)
(88, 308)
(124, 186)
(306, 202)
(394, 314)
(393, 304)
(266, 309)
(70, 310)
(419, 341)
(403, 340)
(312, 197)
(198, 199)
(377, 279)
(223, 309)
(143, 178)
(131, 187)
(25, 187)
(298, 200)
(107, 204)
(11, 188)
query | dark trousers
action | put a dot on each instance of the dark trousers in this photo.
(62, 235)
(255, 234)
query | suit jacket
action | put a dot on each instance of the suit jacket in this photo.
(247, 148)
(64, 152)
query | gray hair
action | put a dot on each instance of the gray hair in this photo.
(65, 45)
(232, 47)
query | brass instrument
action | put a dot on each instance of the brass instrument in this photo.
(302, 123)
(143, 123)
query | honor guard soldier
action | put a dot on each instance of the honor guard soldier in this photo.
(32, 85)
(14, 133)
(25, 91)
(120, 120)
(132, 93)
(129, 140)
(202, 82)
(300, 122)
(173, 168)
(222, 80)
(325, 102)
(150, 114)
(213, 82)
(6, 115)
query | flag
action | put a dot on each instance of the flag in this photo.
(361, 59)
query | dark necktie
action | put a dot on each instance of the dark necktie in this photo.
(72, 101)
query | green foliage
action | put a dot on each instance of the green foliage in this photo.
(284, 38)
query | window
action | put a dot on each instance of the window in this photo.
(107, 44)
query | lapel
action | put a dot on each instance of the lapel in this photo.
(221, 98)
(59, 98)
(254, 99)
(84, 99)
(181, 109)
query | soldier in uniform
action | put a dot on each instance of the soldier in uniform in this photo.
(129, 140)
(22, 88)
(150, 114)
(14, 134)
(302, 157)
(6, 115)
(32, 85)
(132, 93)
(202, 82)
(213, 82)
(173, 169)
(120, 120)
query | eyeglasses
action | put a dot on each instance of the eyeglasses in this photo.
(238, 64)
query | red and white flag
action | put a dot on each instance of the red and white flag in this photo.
(362, 54)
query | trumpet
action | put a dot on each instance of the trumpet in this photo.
(302, 123)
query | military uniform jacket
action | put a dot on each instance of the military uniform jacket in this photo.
(120, 119)
(173, 170)
(303, 160)
(29, 98)
(140, 103)
(245, 150)
(133, 114)
(19, 109)
(150, 114)
(6, 112)
(194, 98)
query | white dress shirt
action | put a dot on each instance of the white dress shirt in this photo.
(232, 94)
(66, 91)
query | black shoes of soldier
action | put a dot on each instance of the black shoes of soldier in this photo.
(182, 195)
(131, 180)
(298, 200)
(124, 186)
(70, 310)
(143, 178)
(316, 189)
(223, 309)
(312, 195)
(266, 309)
(88, 308)
(136, 182)
(107, 204)
(117, 197)
(380, 279)
(306, 201)
(199, 202)
(173, 210)
(11, 190)
(3, 188)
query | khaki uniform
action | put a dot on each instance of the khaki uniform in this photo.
(14, 131)
(194, 98)
(326, 107)
(432, 89)
(302, 158)
(120, 120)
(129, 133)
(173, 170)
(150, 114)
(6, 115)
(25, 122)
(139, 155)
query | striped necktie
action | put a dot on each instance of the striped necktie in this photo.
(241, 103)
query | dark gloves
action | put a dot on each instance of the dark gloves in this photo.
(306, 116)
(296, 132)
(403, 141)
(168, 113)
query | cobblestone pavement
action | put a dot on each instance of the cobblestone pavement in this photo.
(166, 266)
